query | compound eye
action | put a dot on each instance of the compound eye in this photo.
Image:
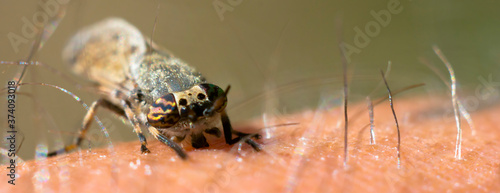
(215, 95)
(163, 112)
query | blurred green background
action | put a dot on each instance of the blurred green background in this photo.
(259, 45)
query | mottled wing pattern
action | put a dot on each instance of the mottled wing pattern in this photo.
(104, 52)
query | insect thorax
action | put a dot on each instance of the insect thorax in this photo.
(160, 73)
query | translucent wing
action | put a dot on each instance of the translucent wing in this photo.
(104, 52)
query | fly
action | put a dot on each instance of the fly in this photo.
(149, 87)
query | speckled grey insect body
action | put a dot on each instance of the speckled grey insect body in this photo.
(149, 87)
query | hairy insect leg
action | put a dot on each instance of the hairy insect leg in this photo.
(89, 117)
(137, 128)
(176, 147)
(228, 133)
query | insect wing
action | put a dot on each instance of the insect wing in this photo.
(104, 52)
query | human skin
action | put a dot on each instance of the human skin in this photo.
(307, 157)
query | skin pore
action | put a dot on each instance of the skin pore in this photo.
(307, 157)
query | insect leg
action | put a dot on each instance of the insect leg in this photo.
(89, 117)
(137, 128)
(178, 149)
(228, 133)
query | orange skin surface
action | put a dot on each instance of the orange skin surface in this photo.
(307, 157)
